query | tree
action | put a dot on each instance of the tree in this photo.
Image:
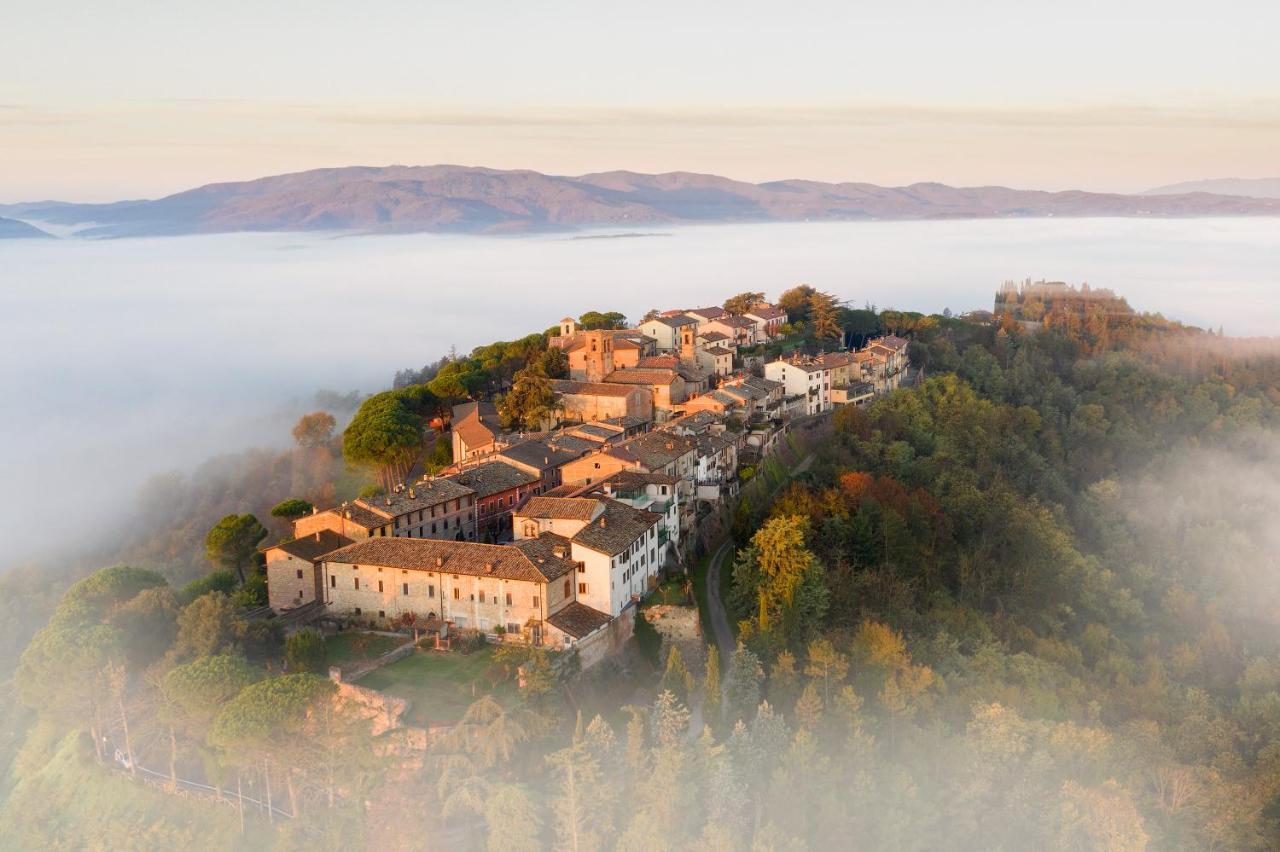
(147, 624)
(93, 598)
(779, 586)
(742, 685)
(206, 626)
(809, 708)
(713, 692)
(304, 651)
(266, 724)
(233, 542)
(512, 820)
(386, 434)
(742, 303)
(796, 302)
(62, 674)
(530, 403)
(826, 665)
(314, 429)
(595, 319)
(580, 805)
(676, 678)
(291, 509)
(824, 316)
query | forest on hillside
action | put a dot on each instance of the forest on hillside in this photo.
(1030, 602)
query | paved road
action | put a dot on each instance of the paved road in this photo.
(719, 618)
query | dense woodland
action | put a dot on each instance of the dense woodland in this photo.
(1030, 602)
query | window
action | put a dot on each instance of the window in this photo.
(508, 599)
(582, 567)
(457, 594)
(433, 527)
(357, 610)
(333, 581)
(567, 588)
(512, 627)
(379, 585)
(582, 588)
(382, 613)
(406, 588)
(357, 579)
(535, 600)
(431, 590)
(299, 573)
(482, 596)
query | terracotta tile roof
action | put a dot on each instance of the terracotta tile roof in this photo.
(713, 336)
(636, 477)
(708, 313)
(415, 496)
(835, 359)
(651, 450)
(632, 376)
(675, 321)
(493, 477)
(719, 351)
(566, 386)
(767, 312)
(560, 508)
(736, 322)
(546, 454)
(531, 561)
(363, 516)
(312, 547)
(616, 529)
(578, 620)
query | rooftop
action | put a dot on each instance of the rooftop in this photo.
(531, 560)
(674, 321)
(312, 547)
(616, 528)
(566, 386)
(560, 508)
(493, 477)
(633, 376)
(578, 620)
(652, 450)
(416, 495)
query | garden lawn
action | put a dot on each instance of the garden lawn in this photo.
(439, 685)
(344, 648)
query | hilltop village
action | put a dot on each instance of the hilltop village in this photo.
(551, 536)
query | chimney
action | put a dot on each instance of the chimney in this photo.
(410, 492)
(488, 567)
(558, 551)
(439, 561)
(315, 510)
(602, 522)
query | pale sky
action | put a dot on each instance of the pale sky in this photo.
(109, 99)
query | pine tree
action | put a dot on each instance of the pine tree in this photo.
(809, 708)
(676, 678)
(712, 692)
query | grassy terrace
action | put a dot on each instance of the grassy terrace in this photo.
(439, 685)
(354, 647)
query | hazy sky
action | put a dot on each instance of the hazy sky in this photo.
(102, 99)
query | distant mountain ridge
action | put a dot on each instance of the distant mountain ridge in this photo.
(464, 199)
(12, 229)
(1244, 187)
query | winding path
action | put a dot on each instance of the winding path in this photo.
(715, 606)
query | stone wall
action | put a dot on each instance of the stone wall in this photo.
(607, 641)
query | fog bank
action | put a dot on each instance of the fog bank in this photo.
(119, 359)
